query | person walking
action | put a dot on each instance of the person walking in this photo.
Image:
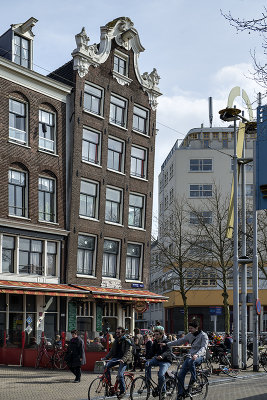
(137, 348)
(75, 356)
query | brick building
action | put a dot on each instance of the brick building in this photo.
(77, 157)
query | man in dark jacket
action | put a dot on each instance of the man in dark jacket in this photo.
(120, 353)
(161, 357)
(76, 355)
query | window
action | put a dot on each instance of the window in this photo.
(171, 195)
(93, 99)
(225, 140)
(91, 146)
(133, 261)
(115, 155)
(17, 121)
(46, 194)
(118, 108)
(215, 135)
(30, 256)
(138, 162)
(140, 120)
(17, 193)
(249, 190)
(21, 51)
(203, 217)
(85, 258)
(171, 171)
(51, 258)
(201, 164)
(166, 178)
(47, 131)
(88, 199)
(161, 185)
(113, 205)
(203, 248)
(8, 248)
(136, 210)
(110, 258)
(120, 65)
(206, 141)
(198, 278)
(200, 190)
(166, 202)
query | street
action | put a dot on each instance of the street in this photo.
(23, 383)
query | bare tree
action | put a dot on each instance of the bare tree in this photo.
(178, 249)
(258, 25)
(212, 224)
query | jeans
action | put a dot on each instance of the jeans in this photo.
(122, 368)
(163, 367)
(188, 365)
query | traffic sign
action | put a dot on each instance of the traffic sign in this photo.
(29, 320)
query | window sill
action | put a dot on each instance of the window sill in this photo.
(47, 222)
(86, 276)
(16, 216)
(94, 115)
(200, 172)
(47, 152)
(133, 281)
(140, 179)
(88, 218)
(109, 278)
(93, 164)
(19, 144)
(118, 126)
(116, 172)
(136, 228)
(114, 223)
(140, 133)
(121, 79)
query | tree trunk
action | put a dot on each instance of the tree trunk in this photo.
(185, 312)
(226, 310)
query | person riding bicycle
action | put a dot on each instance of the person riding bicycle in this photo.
(199, 343)
(162, 357)
(120, 353)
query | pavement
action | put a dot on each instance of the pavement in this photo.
(20, 383)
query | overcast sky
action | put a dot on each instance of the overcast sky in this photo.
(195, 50)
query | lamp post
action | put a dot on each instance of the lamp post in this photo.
(231, 114)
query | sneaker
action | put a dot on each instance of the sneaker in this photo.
(77, 380)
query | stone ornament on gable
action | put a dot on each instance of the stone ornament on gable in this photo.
(151, 80)
(82, 41)
(111, 284)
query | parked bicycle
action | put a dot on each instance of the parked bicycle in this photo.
(101, 387)
(50, 356)
(225, 366)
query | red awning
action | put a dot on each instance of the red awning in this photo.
(123, 294)
(49, 289)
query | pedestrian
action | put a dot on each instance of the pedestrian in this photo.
(137, 348)
(75, 356)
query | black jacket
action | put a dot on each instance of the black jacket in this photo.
(75, 353)
(163, 351)
(125, 347)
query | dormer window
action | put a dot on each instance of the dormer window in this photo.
(120, 65)
(21, 51)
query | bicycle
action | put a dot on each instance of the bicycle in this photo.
(141, 388)
(101, 387)
(197, 391)
(225, 366)
(56, 359)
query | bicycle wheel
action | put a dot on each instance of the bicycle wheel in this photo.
(98, 389)
(206, 367)
(169, 392)
(263, 361)
(200, 389)
(139, 389)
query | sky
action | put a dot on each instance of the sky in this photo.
(194, 49)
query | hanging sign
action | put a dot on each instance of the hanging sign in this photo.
(140, 306)
(72, 313)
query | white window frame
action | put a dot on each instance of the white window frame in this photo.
(95, 218)
(145, 162)
(140, 264)
(55, 201)
(143, 211)
(55, 134)
(29, 50)
(201, 189)
(122, 155)
(98, 164)
(118, 259)
(26, 194)
(93, 275)
(101, 106)
(14, 140)
(200, 165)
(123, 57)
(146, 132)
(124, 126)
(121, 205)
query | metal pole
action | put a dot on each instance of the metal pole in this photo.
(244, 266)
(255, 271)
(235, 262)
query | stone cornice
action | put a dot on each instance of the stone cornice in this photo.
(33, 80)
(32, 227)
(126, 36)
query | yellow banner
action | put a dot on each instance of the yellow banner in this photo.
(239, 150)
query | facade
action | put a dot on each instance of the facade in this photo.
(77, 156)
(191, 170)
